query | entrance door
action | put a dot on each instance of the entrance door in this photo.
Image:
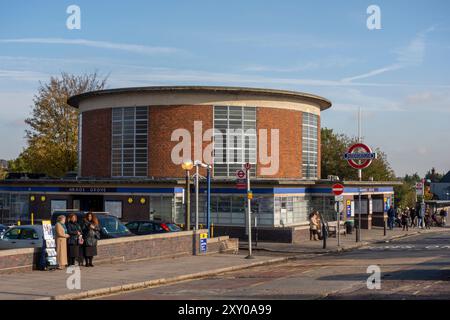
(90, 203)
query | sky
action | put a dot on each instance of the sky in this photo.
(399, 75)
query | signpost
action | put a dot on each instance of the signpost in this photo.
(247, 168)
(359, 156)
(338, 190)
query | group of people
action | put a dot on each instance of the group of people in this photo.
(76, 241)
(415, 217)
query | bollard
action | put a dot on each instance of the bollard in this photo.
(385, 227)
(212, 230)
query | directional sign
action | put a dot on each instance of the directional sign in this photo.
(240, 174)
(359, 156)
(203, 242)
(337, 189)
(241, 181)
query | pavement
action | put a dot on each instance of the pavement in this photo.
(108, 279)
(348, 242)
(413, 267)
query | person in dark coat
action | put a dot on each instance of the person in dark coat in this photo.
(391, 217)
(91, 234)
(75, 238)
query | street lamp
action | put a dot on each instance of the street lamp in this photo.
(197, 164)
(187, 165)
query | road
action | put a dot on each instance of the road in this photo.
(417, 267)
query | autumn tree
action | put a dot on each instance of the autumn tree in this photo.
(335, 145)
(52, 136)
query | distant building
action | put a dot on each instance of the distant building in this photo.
(441, 189)
(3, 164)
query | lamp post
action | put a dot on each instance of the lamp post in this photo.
(187, 166)
(197, 164)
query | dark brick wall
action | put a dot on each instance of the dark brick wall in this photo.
(96, 143)
(289, 123)
(283, 235)
(163, 121)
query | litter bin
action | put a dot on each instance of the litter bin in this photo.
(349, 226)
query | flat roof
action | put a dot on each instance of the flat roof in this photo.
(324, 104)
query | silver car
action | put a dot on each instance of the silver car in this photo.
(17, 237)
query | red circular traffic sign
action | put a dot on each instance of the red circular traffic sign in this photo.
(359, 160)
(240, 174)
(247, 166)
(337, 189)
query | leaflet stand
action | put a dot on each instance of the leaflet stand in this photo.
(48, 254)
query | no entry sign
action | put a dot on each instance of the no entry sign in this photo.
(337, 189)
(359, 156)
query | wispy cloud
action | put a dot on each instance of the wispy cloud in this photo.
(134, 48)
(22, 75)
(411, 55)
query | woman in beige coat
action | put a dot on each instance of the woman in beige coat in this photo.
(61, 242)
(314, 225)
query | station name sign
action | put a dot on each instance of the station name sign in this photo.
(87, 190)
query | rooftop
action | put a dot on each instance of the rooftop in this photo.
(324, 104)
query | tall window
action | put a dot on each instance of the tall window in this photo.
(234, 139)
(129, 142)
(309, 145)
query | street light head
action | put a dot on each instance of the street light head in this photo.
(187, 165)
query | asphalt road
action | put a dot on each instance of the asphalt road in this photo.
(417, 267)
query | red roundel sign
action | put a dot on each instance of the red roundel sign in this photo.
(359, 156)
(337, 189)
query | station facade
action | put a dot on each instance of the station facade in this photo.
(133, 141)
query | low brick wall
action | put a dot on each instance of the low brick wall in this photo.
(267, 234)
(157, 246)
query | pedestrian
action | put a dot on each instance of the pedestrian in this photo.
(428, 220)
(61, 242)
(391, 217)
(314, 225)
(405, 219)
(91, 234)
(413, 217)
(420, 216)
(75, 240)
(443, 213)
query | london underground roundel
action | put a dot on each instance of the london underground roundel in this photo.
(359, 156)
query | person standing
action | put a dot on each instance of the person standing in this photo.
(443, 214)
(420, 216)
(91, 234)
(405, 219)
(314, 225)
(75, 239)
(412, 214)
(391, 217)
(61, 242)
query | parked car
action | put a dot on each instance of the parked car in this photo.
(151, 227)
(28, 236)
(110, 226)
(2, 229)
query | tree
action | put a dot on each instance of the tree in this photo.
(52, 136)
(333, 149)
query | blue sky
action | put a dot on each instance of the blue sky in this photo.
(399, 75)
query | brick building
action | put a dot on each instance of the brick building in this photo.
(133, 141)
